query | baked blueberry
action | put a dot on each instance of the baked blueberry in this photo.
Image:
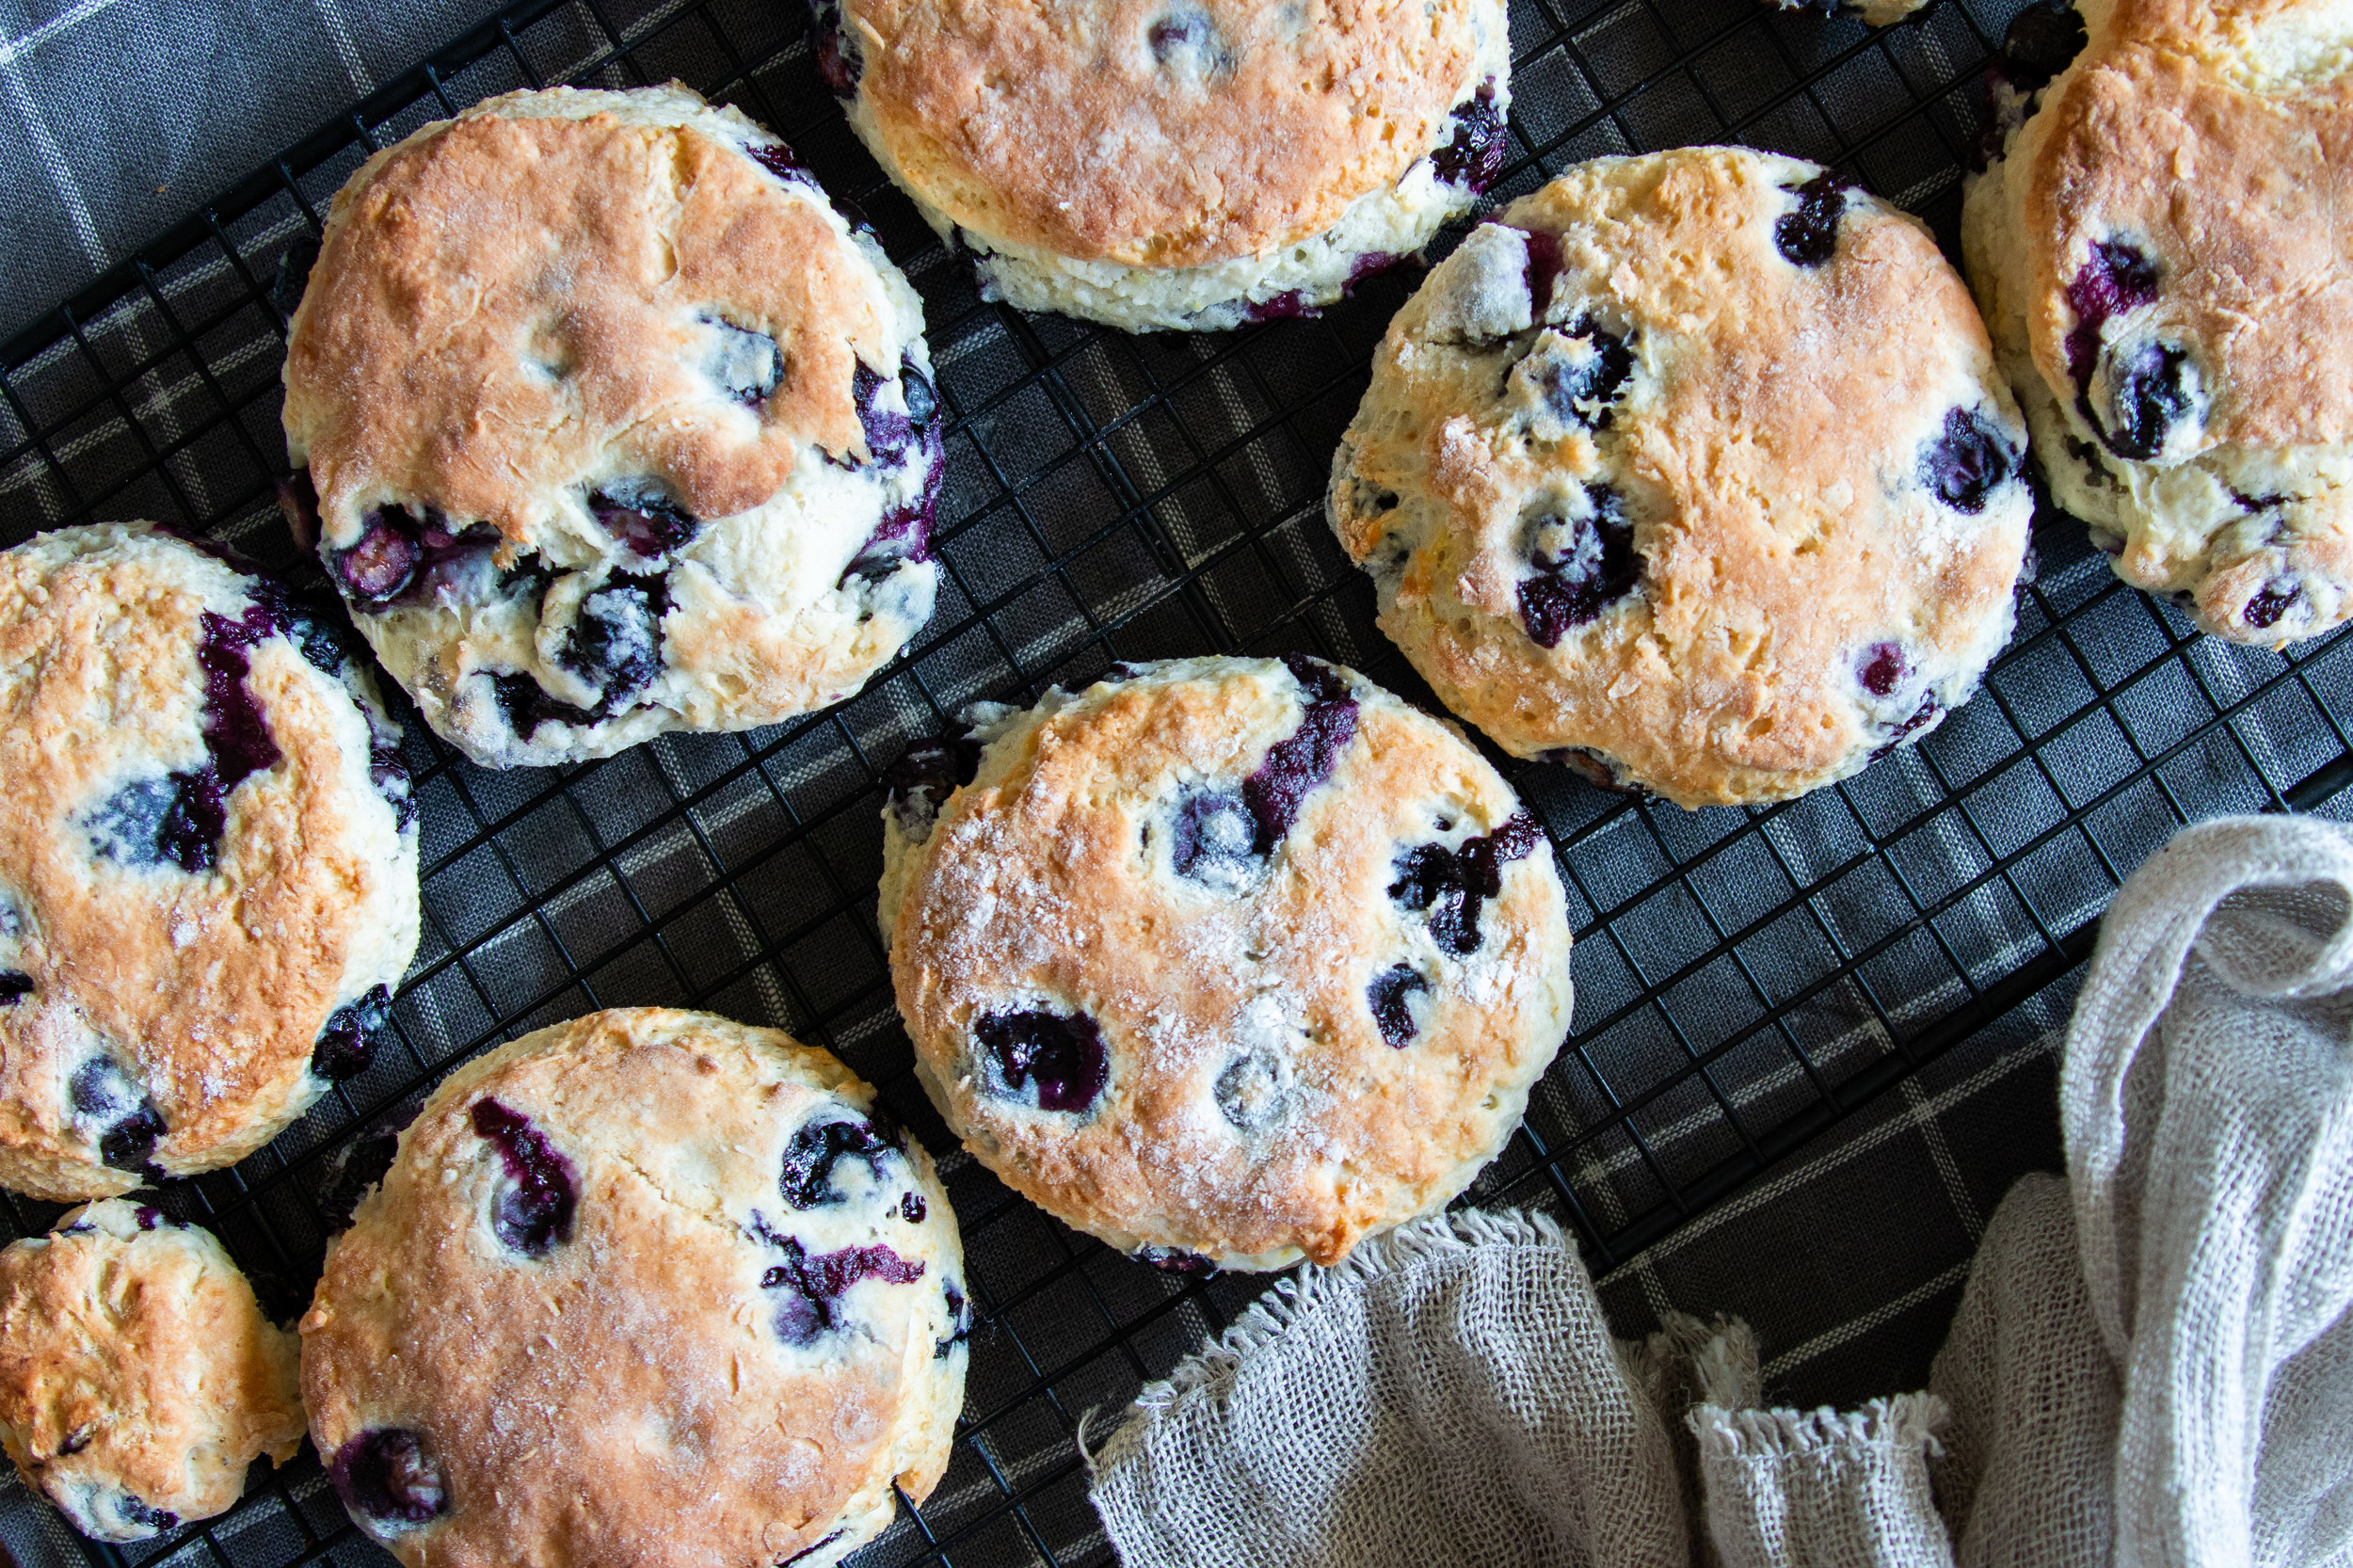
(1808, 236)
(533, 1211)
(819, 1146)
(386, 1476)
(1061, 1055)
(347, 1043)
(1580, 566)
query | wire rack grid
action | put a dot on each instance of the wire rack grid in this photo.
(1744, 979)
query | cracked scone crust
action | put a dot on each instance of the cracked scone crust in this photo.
(647, 1287)
(611, 425)
(1691, 471)
(2163, 260)
(208, 866)
(138, 1377)
(1177, 164)
(1238, 959)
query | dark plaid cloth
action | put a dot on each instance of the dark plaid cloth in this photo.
(1815, 1043)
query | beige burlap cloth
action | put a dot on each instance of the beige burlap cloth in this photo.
(2152, 1364)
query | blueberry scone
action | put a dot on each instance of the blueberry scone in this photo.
(1177, 164)
(1227, 961)
(208, 860)
(608, 424)
(647, 1287)
(1693, 472)
(2160, 252)
(138, 1377)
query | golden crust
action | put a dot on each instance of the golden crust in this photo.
(1041, 880)
(582, 1404)
(507, 307)
(210, 989)
(2170, 138)
(1767, 456)
(140, 1348)
(1056, 127)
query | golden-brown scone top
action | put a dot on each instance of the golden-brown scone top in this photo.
(1169, 1020)
(526, 300)
(138, 1377)
(167, 975)
(2163, 256)
(1698, 462)
(623, 1299)
(1152, 134)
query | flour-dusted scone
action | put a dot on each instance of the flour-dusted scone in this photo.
(1192, 164)
(647, 1287)
(614, 425)
(1693, 471)
(138, 1377)
(2159, 247)
(208, 861)
(1233, 960)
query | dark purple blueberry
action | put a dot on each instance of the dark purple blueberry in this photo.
(925, 774)
(814, 1150)
(1809, 235)
(141, 825)
(1299, 763)
(1969, 461)
(890, 433)
(1175, 1260)
(299, 503)
(236, 734)
(1210, 839)
(903, 534)
(640, 515)
(785, 163)
(79, 1438)
(1062, 1053)
(2264, 609)
(534, 1210)
(351, 1172)
(837, 62)
(128, 1124)
(389, 771)
(138, 1513)
(1883, 669)
(1454, 884)
(810, 1306)
(1474, 157)
(959, 1320)
(2114, 279)
(1188, 32)
(747, 364)
(1390, 992)
(383, 563)
(347, 1043)
(148, 1216)
(1543, 269)
(616, 644)
(294, 273)
(1580, 394)
(1294, 305)
(307, 624)
(911, 1207)
(1931, 708)
(526, 705)
(2042, 40)
(1597, 567)
(2150, 394)
(386, 1476)
(1249, 1090)
(14, 984)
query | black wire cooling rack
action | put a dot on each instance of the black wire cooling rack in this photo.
(1744, 977)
